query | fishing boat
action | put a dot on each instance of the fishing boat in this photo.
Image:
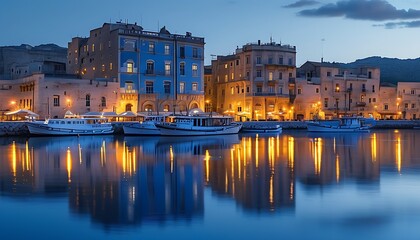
(198, 125)
(344, 124)
(147, 126)
(262, 128)
(70, 126)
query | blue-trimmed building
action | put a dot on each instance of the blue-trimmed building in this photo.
(157, 71)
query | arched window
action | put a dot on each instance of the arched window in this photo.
(87, 100)
(148, 108)
(103, 101)
(128, 107)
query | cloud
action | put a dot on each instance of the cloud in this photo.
(392, 25)
(302, 3)
(374, 10)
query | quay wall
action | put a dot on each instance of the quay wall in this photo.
(19, 128)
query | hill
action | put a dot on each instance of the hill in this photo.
(393, 70)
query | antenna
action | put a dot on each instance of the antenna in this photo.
(322, 49)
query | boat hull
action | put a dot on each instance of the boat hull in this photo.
(173, 130)
(314, 127)
(140, 129)
(45, 129)
(261, 130)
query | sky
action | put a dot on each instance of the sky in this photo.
(337, 30)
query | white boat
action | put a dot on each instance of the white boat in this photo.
(344, 124)
(70, 126)
(262, 128)
(198, 125)
(145, 127)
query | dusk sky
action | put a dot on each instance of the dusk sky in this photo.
(340, 30)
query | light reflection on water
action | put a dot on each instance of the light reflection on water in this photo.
(249, 186)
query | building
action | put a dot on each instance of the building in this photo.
(408, 100)
(52, 97)
(156, 71)
(256, 82)
(24, 60)
(344, 91)
(307, 104)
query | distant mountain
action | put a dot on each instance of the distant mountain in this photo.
(393, 70)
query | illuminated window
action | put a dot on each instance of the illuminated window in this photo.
(226, 77)
(129, 67)
(110, 66)
(194, 70)
(194, 86)
(151, 47)
(232, 76)
(270, 76)
(182, 87)
(167, 68)
(129, 87)
(167, 49)
(232, 91)
(93, 47)
(103, 67)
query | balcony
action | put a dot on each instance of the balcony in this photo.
(360, 104)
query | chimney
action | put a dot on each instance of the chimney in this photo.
(259, 42)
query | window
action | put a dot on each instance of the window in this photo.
(182, 52)
(413, 105)
(299, 91)
(151, 47)
(182, 87)
(232, 91)
(93, 47)
(270, 60)
(290, 61)
(150, 67)
(110, 66)
(258, 60)
(149, 87)
(167, 68)
(316, 90)
(232, 76)
(259, 88)
(226, 65)
(373, 88)
(167, 87)
(281, 60)
(237, 62)
(195, 53)
(226, 77)
(328, 74)
(270, 76)
(280, 75)
(129, 67)
(337, 87)
(103, 67)
(194, 70)
(259, 73)
(373, 99)
(363, 87)
(412, 91)
(280, 90)
(103, 102)
(194, 86)
(325, 102)
(270, 89)
(247, 89)
(56, 100)
(87, 100)
(239, 109)
(406, 105)
(182, 69)
(385, 106)
(247, 59)
(167, 49)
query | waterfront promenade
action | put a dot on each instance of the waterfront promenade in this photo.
(18, 128)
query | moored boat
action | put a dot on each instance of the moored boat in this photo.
(344, 124)
(70, 126)
(147, 126)
(262, 128)
(198, 125)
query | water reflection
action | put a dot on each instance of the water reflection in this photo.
(123, 181)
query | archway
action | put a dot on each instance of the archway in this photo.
(128, 107)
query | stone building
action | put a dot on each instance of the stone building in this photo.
(51, 97)
(24, 60)
(344, 91)
(156, 71)
(256, 82)
(408, 99)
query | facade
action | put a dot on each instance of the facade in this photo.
(307, 104)
(344, 91)
(52, 97)
(408, 100)
(257, 82)
(156, 71)
(24, 60)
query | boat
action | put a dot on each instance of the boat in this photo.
(262, 128)
(344, 124)
(198, 125)
(145, 127)
(70, 126)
